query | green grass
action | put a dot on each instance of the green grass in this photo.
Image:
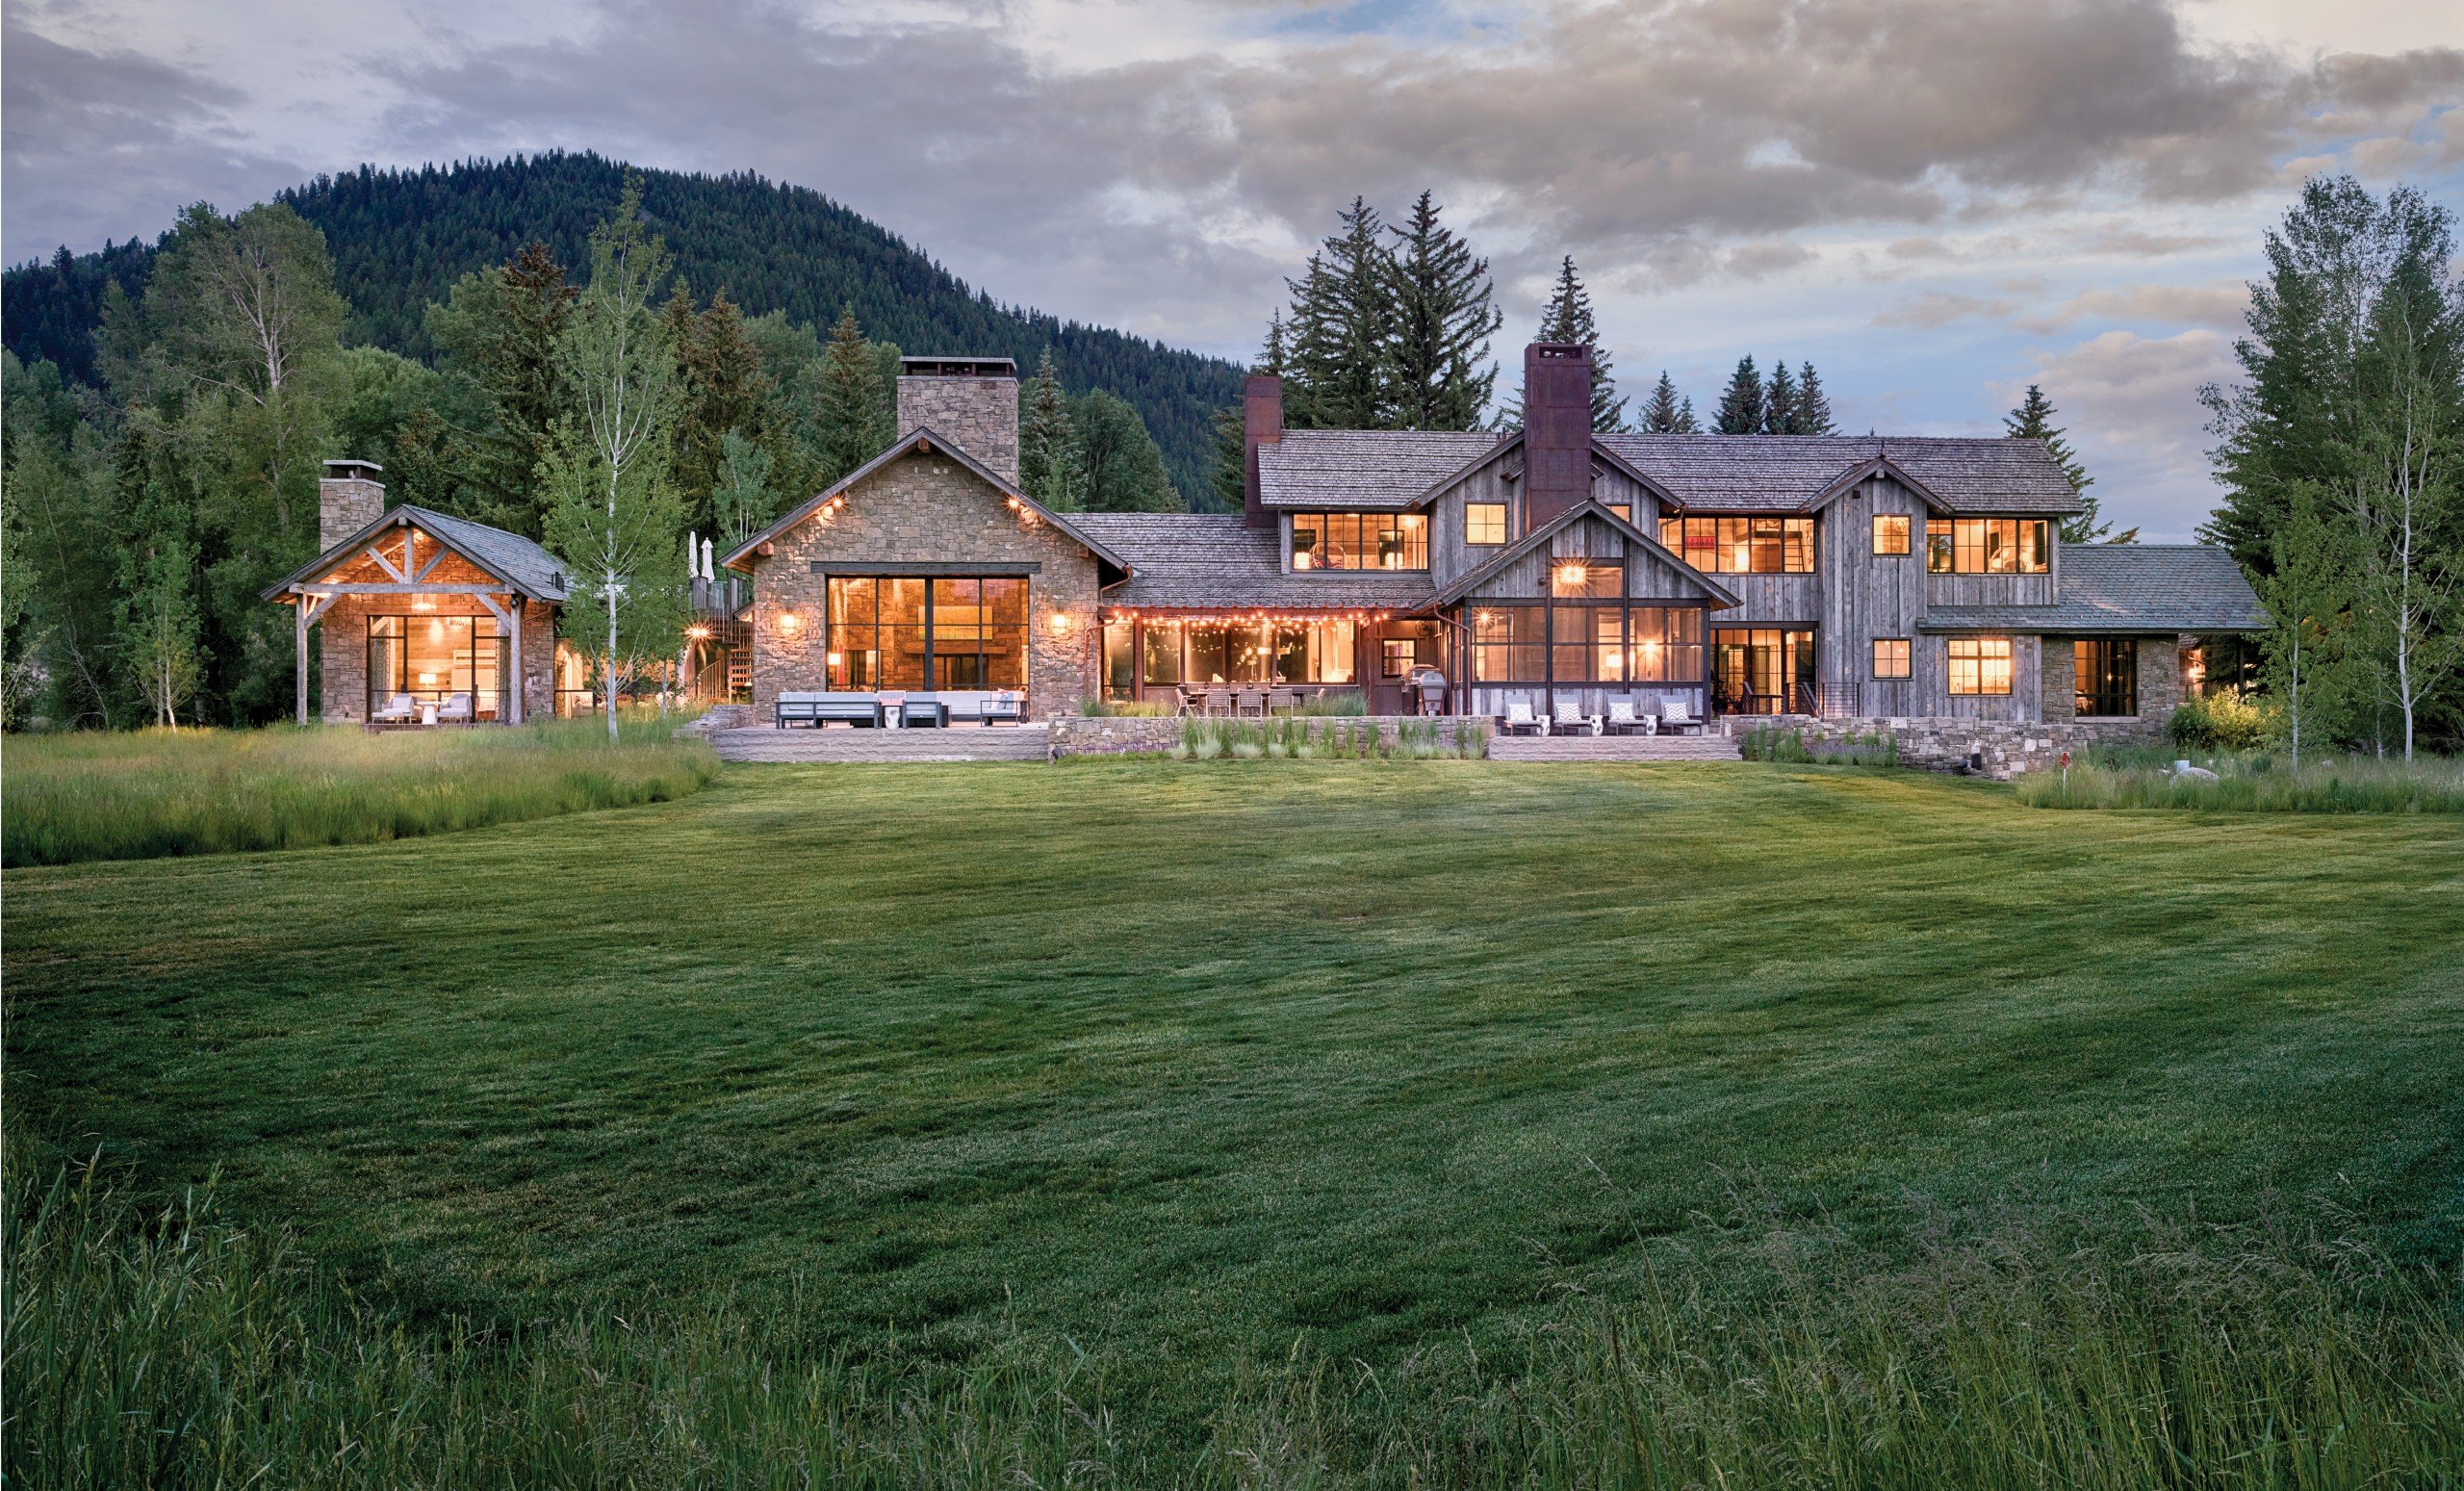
(1486, 1123)
(153, 793)
(2252, 781)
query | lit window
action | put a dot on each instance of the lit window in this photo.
(1624, 511)
(1359, 541)
(1484, 523)
(1396, 657)
(1742, 545)
(1891, 657)
(1890, 532)
(1980, 665)
(1989, 546)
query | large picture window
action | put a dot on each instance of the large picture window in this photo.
(1742, 545)
(1989, 546)
(1206, 652)
(1980, 665)
(2106, 672)
(1359, 541)
(432, 659)
(1578, 644)
(914, 634)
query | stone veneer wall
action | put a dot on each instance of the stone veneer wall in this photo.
(2160, 679)
(2009, 747)
(344, 505)
(925, 508)
(980, 415)
(1114, 735)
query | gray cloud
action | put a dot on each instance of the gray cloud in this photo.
(2180, 305)
(98, 144)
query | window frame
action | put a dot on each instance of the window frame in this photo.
(1882, 545)
(1742, 543)
(1518, 644)
(1470, 540)
(1978, 667)
(1906, 656)
(1364, 534)
(2116, 679)
(1972, 546)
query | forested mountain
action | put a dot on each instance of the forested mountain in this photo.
(400, 238)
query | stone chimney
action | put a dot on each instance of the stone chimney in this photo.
(348, 499)
(1557, 429)
(1261, 425)
(969, 401)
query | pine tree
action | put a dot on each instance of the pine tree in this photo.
(1122, 470)
(1441, 377)
(1667, 414)
(1741, 402)
(849, 411)
(1814, 406)
(1779, 411)
(498, 330)
(1569, 319)
(1050, 468)
(2033, 420)
(1229, 473)
(1342, 329)
(724, 388)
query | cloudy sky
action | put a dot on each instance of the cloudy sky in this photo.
(1935, 201)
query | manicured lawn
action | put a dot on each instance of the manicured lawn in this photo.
(1189, 1063)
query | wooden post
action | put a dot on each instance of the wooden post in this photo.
(521, 619)
(299, 617)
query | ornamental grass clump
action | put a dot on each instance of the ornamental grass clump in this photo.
(148, 794)
(1301, 737)
(2252, 781)
(1789, 747)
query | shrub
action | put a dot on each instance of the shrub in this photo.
(1788, 746)
(148, 794)
(1292, 737)
(2217, 722)
(1124, 709)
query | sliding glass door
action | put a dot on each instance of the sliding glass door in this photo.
(1762, 671)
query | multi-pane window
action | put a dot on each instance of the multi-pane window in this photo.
(1395, 656)
(434, 658)
(1575, 644)
(1201, 652)
(1980, 665)
(910, 632)
(1989, 546)
(1891, 657)
(1742, 545)
(1890, 532)
(1484, 523)
(1359, 541)
(2107, 676)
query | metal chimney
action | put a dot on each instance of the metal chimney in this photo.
(1261, 425)
(1557, 429)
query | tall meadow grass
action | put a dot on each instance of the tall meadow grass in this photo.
(163, 1347)
(2252, 781)
(152, 793)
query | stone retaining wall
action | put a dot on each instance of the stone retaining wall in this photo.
(2009, 748)
(1112, 736)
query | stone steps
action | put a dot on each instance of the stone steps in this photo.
(963, 743)
(1613, 748)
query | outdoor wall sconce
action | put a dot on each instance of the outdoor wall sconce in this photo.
(1059, 623)
(698, 634)
(1570, 575)
(788, 622)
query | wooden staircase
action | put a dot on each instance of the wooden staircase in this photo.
(1613, 748)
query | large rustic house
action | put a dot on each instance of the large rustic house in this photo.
(1909, 577)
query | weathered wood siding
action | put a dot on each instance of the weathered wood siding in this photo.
(1868, 597)
(1448, 557)
(1931, 660)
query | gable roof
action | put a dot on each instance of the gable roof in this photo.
(2126, 587)
(936, 443)
(1798, 472)
(1481, 575)
(517, 561)
(1366, 468)
(1218, 562)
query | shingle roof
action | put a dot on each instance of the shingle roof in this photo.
(1376, 467)
(1364, 468)
(1217, 562)
(2126, 587)
(510, 557)
(1787, 473)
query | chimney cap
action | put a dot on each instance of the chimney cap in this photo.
(957, 368)
(343, 470)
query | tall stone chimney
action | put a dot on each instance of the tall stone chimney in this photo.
(1557, 429)
(348, 499)
(970, 401)
(1261, 425)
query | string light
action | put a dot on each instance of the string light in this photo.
(1238, 617)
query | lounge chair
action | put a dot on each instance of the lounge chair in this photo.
(1520, 720)
(1622, 719)
(1568, 719)
(456, 711)
(397, 709)
(1677, 713)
